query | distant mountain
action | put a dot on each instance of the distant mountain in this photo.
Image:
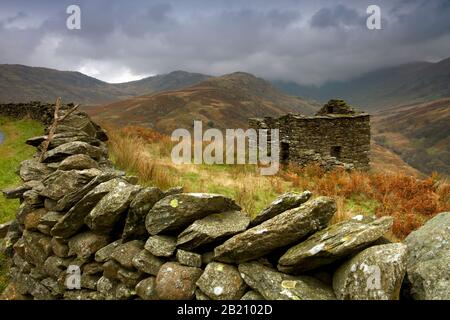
(220, 102)
(20, 83)
(381, 89)
(418, 133)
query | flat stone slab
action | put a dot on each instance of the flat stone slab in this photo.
(175, 212)
(274, 285)
(284, 229)
(331, 244)
(73, 220)
(161, 246)
(213, 228)
(284, 202)
(110, 209)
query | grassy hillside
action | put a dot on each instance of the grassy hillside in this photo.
(409, 200)
(380, 89)
(20, 83)
(418, 133)
(13, 150)
(221, 102)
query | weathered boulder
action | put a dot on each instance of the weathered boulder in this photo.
(33, 199)
(89, 281)
(221, 282)
(80, 122)
(176, 282)
(37, 247)
(71, 222)
(284, 202)
(70, 199)
(286, 228)
(129, 277)
(125, 252)
(428, 259)
(139, 207)
(32, 169)
(48, 221)
(60, 247)
(274, 285)
(93, 268)
(373, 274)
(31, 220)
(146, 289)
(147, 262)
(161, 246)
(107, 287)
(331, 244)
(54, 266)
(110, 209)
(123, 292)
(190, 259)
(177, 211)
(105, 253)
(61, 183)
(71, 148)
(85, 244)
(111, 269)
(213, 228)
(78, 162)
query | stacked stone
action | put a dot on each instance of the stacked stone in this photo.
(82, 220)
(36, 110)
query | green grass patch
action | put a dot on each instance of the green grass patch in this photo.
(359, 204)
(13, 150)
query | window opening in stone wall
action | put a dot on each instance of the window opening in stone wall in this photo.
(336, 152)
(284, 152)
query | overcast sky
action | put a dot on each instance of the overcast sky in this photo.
(305, 41)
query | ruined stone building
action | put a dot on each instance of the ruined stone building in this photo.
(336, 136)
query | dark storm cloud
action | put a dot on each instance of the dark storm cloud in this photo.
(337, 16)
(304, 41)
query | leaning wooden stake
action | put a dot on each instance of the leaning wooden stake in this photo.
(54, 126)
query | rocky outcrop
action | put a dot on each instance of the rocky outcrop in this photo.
(86, 231)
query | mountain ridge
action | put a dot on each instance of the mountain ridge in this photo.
(20, 83)
(221, 102)
(380, 89)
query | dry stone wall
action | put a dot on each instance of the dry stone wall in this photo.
(87, 231)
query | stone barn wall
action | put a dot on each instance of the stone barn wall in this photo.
(85, 230)
(345, 137)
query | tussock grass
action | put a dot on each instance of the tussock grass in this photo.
(13, 151)
(410, 201)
